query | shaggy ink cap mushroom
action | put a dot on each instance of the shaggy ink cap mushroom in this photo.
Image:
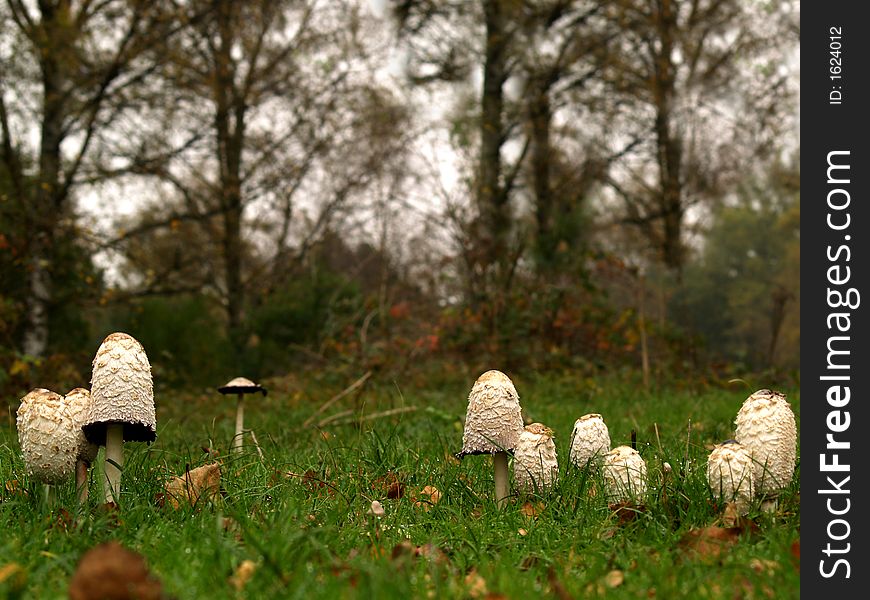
(766, 428)
(729, 474)
(122, 391)
(493, 420)
(535, 463)
(48, 438)
(590, 440)
(78, 401)
(624, 474)
(493, 424)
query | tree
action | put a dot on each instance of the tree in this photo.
(286, 119)
(75, 70)
(701, 80)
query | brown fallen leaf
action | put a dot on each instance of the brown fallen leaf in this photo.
(708, 543)
(764, 566)
(114, 572)
(532, 510)
(476, 584)
(795, 551)
(429, 497)
(389, 485)
(200, 483)
(13, 576)
(557, 586)
(614, 578)
(625, 512)
(243, 574)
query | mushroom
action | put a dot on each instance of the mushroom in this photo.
(122, 404)
(624, 474)
(766, 428)
(78, 401)
(47, 437)
(590, 440)
(240, 386)
(729, 474)
(535, 465)
(493, 424)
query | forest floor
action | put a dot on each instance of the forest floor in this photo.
(297, 522)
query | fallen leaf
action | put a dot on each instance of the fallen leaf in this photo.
(796, 553)
(532, 510)
(377, 509)
(557, 586)
(13, 575)
(763, 565)
(709, 542)
(476, 584)
(243, 574)
(200, 483)
(429, 497)
(112, 571)
(614, 578)
(522, 531)
(625, 512)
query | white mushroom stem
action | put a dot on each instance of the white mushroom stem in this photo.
(240, 424)
(82, 481)
(50, 495)
(114, 454)
(502, 483)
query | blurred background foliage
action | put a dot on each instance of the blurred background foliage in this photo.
(577, 186)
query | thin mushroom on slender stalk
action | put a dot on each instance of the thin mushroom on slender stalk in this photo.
(493, 424)
(241, 386)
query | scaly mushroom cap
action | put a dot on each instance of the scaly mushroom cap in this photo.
(78, 401)
(121, 391)
(589, 440)
(729, 474)
(766, 428)
(535, 465)
(47, 436)
(624, 474)
(241, 385)
(494, 420)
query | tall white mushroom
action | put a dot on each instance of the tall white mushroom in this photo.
(48, 439)
(729, 475)
(122, 404)
(78, 401)
(590, 440)
(493, 424)
(624, 474)
(240, 386)
(766, 428)
(535, 464)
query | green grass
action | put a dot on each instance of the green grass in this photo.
(315, 540)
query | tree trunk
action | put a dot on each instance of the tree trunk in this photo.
(540, 116)
(490, 197)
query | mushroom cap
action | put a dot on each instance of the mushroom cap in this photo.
(766, 428)
(122, 391)
(47, 435)
(241, 385)
(729, 474)
(624, 474)
(78, 401)
(535, 464)
(494, 420)
(590, 439)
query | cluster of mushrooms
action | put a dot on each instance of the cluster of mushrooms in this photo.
(494, 425)
(760, 461)
(757, 464)
(61, 435)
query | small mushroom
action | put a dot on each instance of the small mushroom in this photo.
(240, 386)
(624, 474)
(79, 402)
(535, 465)
(766, 428)
(493, 424)
(122, 404)
(729, 475)
(48, 439)
(590, 440)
